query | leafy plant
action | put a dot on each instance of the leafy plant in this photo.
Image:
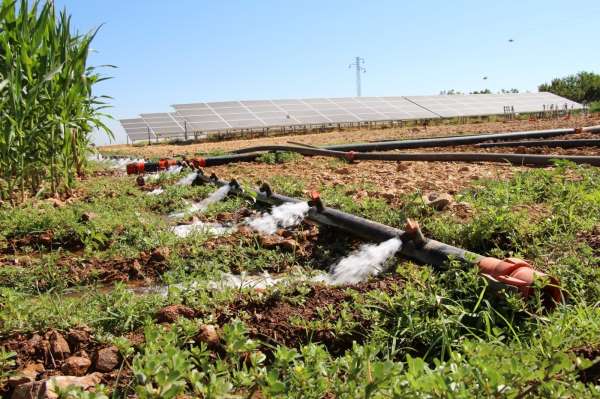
(47, 108)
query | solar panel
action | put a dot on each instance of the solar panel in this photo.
(449, 106)
(137, 129)
(164, 124)
(254, 114)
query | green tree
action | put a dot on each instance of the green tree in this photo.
(581, 87)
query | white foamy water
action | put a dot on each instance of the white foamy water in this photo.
(216, 229)
(201, 206)
(113, 163)
(285, 215)
(156, 191)
(171, 170)
(244, 280)
(368, 260)
(187, 180)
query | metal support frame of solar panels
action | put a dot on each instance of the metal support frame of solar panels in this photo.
(137, 130)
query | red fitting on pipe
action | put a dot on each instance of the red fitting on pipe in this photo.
(198, 162)
(135, 168)
(166, 163)
(350, 156)
(315, 200)
(520, 274)
(578, 130)
(315, 196)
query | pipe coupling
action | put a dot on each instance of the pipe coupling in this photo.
(520, 274)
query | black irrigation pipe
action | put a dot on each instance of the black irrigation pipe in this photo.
(511, 274)
(437, 141)
(516, 159)
(544, 143)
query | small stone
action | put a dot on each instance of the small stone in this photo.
(289, 245)
(78, 337)
(402, 166)
(208, 334)
(57, 203)
(28, 374)
(270, 241)
(160, 254)
(30, 390)
(76, 365)
(87, 216)
(464, 169)
(60, 383)
(438, 202)
(46, 238)
(107, 359)
(58, 345)
(170, 314)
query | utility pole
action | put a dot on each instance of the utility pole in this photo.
(359, 65)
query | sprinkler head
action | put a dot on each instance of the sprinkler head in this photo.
(235, 185)
(140, 181)
(412, 232)
(199, 180)
(213, 178)
(315, 200)
(266, 189)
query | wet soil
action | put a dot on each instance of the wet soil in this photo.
(147, 267)
(80, 271)
(591, 238)
(592, 373)
(275, 320)
(45, 241)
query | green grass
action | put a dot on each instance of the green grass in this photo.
(438, 334)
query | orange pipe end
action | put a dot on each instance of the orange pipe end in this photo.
(520, 274)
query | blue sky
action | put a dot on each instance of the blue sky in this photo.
(193, 50)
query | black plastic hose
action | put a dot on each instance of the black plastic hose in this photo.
(544, 143)
(435, 142)
(416, 247)
(516, 159)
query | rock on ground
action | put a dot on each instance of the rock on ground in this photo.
(169, 314)
(76, 365)
(47, 389)
(107, 359)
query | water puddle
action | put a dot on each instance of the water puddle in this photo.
(216, 229)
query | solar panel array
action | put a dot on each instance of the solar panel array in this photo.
(137, 129)
(256, 114)
(490, 104)
(165, 125)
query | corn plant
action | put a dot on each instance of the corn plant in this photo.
(47, 108)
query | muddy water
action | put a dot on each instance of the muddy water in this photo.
(228, 280)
